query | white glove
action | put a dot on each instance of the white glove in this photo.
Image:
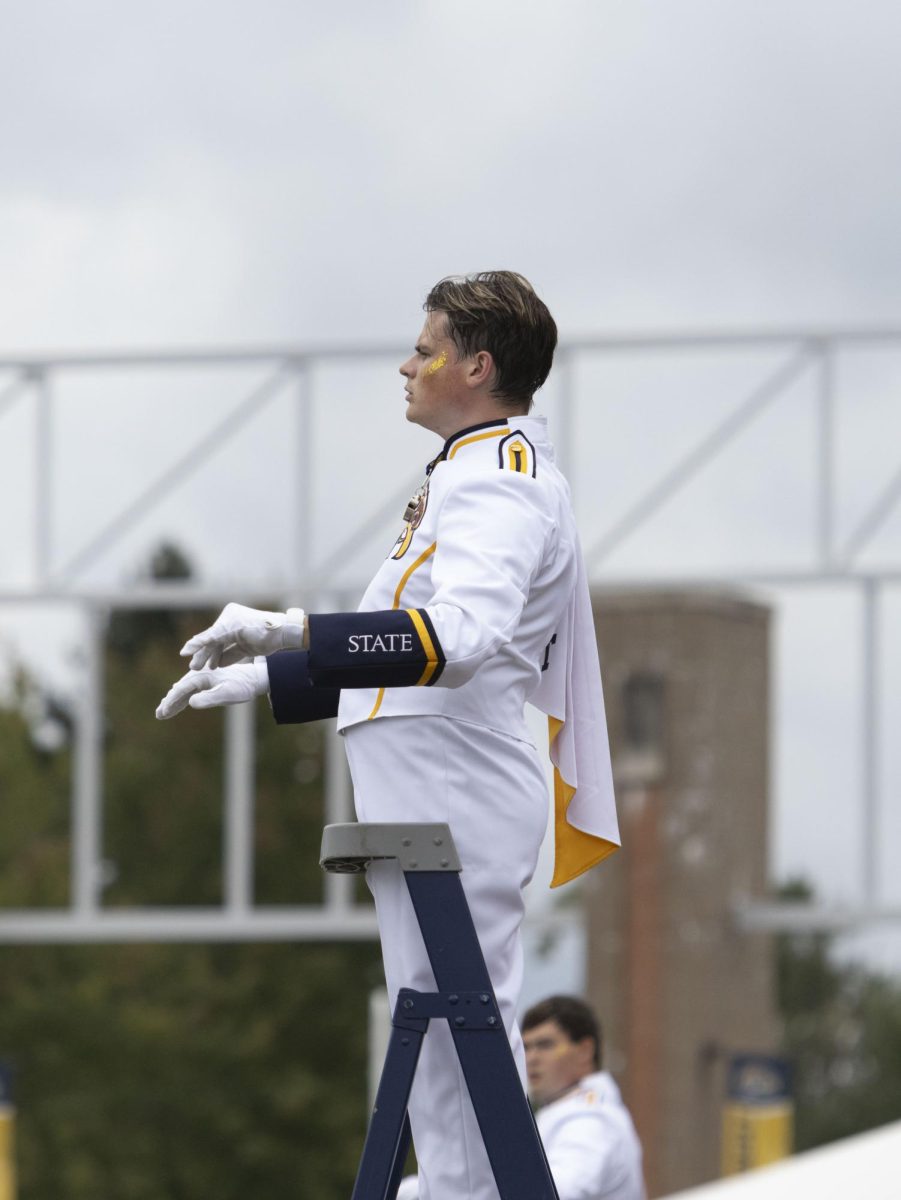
(208, 689)
(239, 633)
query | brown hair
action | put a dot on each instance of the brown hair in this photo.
(573, 1016)
(498, 311)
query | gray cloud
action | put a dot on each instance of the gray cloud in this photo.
(198, 171)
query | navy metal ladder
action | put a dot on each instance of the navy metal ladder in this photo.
(465, 999)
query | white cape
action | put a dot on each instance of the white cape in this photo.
(570, 693)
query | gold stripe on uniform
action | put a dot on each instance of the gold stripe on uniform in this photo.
(478, 437)
(514, 449)
(427, 645)
(426, 554)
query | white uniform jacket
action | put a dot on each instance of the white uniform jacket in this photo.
(477, 604)
(591, 1144)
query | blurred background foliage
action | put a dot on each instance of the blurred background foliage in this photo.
(145, 1072)
(842, 1034)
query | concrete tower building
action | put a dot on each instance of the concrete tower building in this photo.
(678, 986)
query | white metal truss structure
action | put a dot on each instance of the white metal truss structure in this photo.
(33, 385)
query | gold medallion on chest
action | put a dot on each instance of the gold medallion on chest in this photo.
(413, 515)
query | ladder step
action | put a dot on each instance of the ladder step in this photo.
(465, 999)
(349, 848)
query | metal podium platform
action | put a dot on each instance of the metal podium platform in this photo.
(465, 999)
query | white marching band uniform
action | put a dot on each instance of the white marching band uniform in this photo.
(481, 606)
(591, 1144)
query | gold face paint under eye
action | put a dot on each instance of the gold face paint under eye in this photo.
(437, 364)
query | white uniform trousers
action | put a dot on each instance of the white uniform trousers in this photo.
(491, 790)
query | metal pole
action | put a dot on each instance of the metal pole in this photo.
(826, 454)
(870, 738)
(10, 394)
(43, 514)
(239, 733)
(563, 439)
(304, 472)
(337, 889)
(87, 792)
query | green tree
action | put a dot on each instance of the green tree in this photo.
(155, 1072)
(164, 779)
(842, 1034)
(34, 798)
(185, 1071)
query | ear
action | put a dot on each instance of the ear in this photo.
(480, 370)
(586, 1051)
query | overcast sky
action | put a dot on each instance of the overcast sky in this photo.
(195, 174)
(188, 172)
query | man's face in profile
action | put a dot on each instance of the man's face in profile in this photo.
(434, 375)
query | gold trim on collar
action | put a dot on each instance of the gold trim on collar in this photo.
(477, 437)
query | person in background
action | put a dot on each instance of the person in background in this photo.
(590, 1141)
(588, 1135)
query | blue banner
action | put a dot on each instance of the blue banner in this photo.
(758, 1079)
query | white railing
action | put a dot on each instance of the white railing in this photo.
(287, 389)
